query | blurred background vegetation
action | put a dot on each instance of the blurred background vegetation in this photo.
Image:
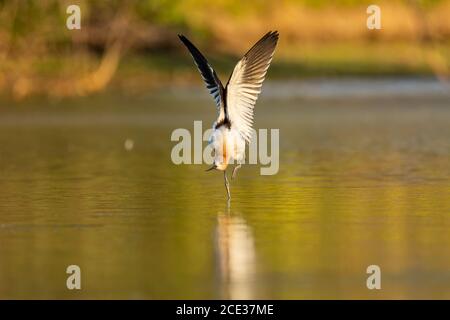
(131, 46)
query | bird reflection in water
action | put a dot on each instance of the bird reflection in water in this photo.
(236, 260)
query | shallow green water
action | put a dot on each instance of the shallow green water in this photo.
(364, 179)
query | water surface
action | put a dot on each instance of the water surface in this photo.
(364, 179)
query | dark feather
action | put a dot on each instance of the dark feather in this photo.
(212, 82)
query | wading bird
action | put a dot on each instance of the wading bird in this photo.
(235, 102)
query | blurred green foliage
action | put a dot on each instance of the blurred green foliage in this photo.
(39, 54)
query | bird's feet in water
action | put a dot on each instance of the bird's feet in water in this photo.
(227, 185)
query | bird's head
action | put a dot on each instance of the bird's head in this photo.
(218, 166)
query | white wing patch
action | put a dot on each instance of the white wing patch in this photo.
(245, 83)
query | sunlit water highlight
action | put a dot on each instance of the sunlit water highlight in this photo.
(364, 179)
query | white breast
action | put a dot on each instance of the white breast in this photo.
(229, 147)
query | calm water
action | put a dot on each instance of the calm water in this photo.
(364, 179)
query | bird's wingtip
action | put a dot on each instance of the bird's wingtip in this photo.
(272, 34)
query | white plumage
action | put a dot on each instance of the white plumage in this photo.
(235, 101)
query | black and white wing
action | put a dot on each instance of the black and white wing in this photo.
(245, 83)
(212, 82)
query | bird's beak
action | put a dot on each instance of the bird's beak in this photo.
(213, 167)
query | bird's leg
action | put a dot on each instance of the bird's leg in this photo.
(235, 169)
(227, 185)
